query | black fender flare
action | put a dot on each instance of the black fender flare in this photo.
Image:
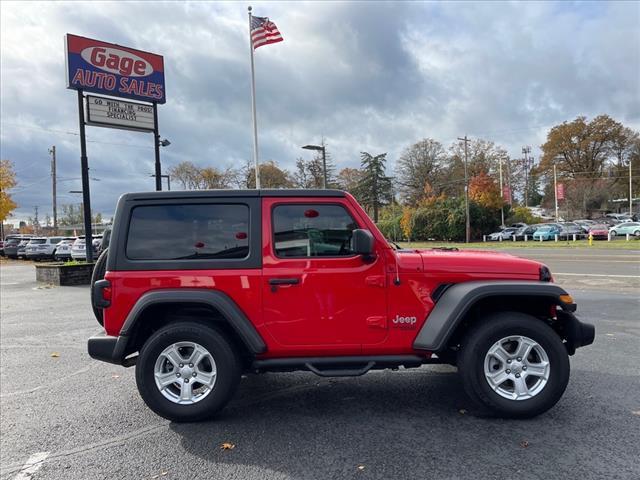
(232, 314)
(458, 299)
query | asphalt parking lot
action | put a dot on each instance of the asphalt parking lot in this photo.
(77, 418)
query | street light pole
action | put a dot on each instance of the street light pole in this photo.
(320, 148)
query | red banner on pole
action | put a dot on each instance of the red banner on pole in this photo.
(506, 194)
(560, 191)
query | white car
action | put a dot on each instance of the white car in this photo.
(78, 249)
(63, 249)
(41, 247)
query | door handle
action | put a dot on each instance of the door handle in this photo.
(275, 282)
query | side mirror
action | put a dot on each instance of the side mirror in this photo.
(362, 242)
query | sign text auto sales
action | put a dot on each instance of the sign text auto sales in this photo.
(110, 69)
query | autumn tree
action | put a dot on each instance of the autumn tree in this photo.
(483, 156)
(271, 176)
(7, 182)
(374, 189)
(583, 151)
(419, 165)
(192, 177)
(349, 178)
(485, 192)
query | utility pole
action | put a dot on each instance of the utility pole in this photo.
(466, 191)
(525, 152)
(501, 194)
(36, 222)
(630, 189)
(52, 151)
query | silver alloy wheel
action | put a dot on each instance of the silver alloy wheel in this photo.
(185, 373)
(517, 367)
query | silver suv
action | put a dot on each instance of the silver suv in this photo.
(42, 247)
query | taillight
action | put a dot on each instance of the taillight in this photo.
(106, 294)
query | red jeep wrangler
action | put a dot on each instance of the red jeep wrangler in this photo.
(199, 287)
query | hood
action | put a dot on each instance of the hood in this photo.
(476, 262)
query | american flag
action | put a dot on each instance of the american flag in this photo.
(263, 32)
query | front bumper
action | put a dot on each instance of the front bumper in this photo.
(109, 349)
(576, 333)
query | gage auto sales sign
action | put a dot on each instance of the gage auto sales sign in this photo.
(110, 69)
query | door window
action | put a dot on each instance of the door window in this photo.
(312, 231)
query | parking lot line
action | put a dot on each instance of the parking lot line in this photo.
(31, 466)
(596, 275)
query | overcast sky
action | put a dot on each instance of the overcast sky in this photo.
(373, 77)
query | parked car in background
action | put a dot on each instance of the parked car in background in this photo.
(585, 224)
(547, 232)
(63, 249)
(632, 228)
(22, 246)
(78, 249)
(11, 247)
(608, 221)
(620, 217)
(599, 231)
(527, 231)
(569, 229)
(504, 234)
(42, 247)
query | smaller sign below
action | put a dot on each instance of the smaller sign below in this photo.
(108, 112)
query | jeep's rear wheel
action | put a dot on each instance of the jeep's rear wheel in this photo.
(514, 365)
(187, 372)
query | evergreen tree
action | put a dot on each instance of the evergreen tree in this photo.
(374, 189)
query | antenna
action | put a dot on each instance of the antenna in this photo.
(396, 281)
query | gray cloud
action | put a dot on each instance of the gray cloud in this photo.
(366, 76)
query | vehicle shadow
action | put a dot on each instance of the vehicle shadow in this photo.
(310, 427)
(413, 424)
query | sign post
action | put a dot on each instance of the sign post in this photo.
(86, 197)
(156, 141)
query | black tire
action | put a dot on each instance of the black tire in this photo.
(99, 269)
(228, 367)
(486, 333)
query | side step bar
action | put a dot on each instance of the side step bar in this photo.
(340, 366)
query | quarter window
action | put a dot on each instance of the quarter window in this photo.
(183, 232)
(312, 231)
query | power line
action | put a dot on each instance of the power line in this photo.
(28, 127)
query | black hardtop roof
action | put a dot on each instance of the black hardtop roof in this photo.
(181, 194)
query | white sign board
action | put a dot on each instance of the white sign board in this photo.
(107, 112)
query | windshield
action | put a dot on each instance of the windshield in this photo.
(38, 241)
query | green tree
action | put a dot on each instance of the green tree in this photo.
(374, 189)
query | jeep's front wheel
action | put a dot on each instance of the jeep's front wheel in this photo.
(187, 372)
(514, 365)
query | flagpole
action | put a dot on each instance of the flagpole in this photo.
(253, 106)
